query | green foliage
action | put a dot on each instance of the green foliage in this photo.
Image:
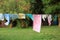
(45, 6)
(29, 6)
(36, 6)
(13, 6)
(46, 2)
(49, 7)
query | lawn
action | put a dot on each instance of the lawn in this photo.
(47, 33)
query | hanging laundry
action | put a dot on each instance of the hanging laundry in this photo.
(49, 19)
(21, 16)
(44, 20)
(37, 23)
(55, 20)
(30, 16)
(2, 20)
(1, 17)
(13, 16)
(7, 17)
(44, 16)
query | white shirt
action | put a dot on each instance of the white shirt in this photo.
(1, 17)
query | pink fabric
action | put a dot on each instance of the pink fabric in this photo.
(37, 23)
(49, 22)
(49, 19)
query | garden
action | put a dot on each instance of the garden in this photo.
(16, 19)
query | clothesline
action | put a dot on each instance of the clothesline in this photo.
(9, 17)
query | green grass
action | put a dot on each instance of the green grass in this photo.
(47, 33)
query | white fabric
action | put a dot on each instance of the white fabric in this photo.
(43, 17)
(7, 18)
(6, 23)
(1, 17)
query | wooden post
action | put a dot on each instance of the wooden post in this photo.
(11, 24)
(59, 20)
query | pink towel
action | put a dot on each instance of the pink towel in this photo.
(37, 23)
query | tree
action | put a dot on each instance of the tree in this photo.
(37, 6)
(30, 6)
(1, 6)
(50, 6)
(45, 6)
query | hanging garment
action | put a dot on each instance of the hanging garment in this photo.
(55, 20)
(13, 16)
(44, 20)
(37, 23)
(2, 20)
(49, 19)
(1, 17)
(21, 16)
(44, 17)
(30, 16)
(7, 17)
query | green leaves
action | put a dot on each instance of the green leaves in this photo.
(50, 8)
(12, 6)
(46, 1)
(29, 6)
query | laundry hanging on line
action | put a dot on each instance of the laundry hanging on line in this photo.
(13, 16)
(30, 16)
(55, 20)
(21, 16)
(49, 19)
(7, 17)
(37, 23)
(1, 17)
